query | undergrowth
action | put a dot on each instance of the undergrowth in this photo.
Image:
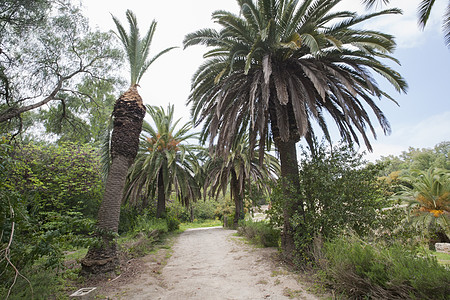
(370, 271)
(259, 232)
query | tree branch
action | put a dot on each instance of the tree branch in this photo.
(14, 112)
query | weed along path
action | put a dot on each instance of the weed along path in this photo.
(211, 263)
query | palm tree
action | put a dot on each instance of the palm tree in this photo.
(280, 65)
(165, 162)
(128, 115)
(424, 11)
(238, 167)
(428, 198)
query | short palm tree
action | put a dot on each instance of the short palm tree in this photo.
(128, 115)
(428, 200)
(424, 11)
(238, 167)
(280, 65)
(165, 162)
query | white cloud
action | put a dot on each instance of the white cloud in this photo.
(425, 134)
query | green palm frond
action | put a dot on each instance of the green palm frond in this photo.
(424, 11)
(286, 64)
(165, 149)
(428, 197)
(137, 48)
(372, 3)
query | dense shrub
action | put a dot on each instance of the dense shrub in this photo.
(365, 271)
(338, 192)
(58, 177)
(260, 233)
(48, 195)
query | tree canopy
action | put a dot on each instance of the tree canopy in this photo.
(46, 65)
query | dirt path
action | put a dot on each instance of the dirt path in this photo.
(212, 263)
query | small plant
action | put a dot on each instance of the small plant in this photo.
(261, 233)
(363, 270)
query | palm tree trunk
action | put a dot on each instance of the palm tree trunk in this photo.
(128, 115)
(161, 206)
(237, 194)
(291, 181)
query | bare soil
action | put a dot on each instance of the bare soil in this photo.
(206, 263)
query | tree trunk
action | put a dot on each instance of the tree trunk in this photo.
(192, 213)
(290, 177)
(161, 206)
(237, 194)
(128, 115)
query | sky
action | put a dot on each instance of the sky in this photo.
(420, 120)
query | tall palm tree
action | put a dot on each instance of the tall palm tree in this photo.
(424, 11)
(238, 167)
(128, 115)
(280, 65)
(165, 162)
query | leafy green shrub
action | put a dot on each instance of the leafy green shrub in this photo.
(338, 192)
(172, 222)
(366, 271)
(260, 232)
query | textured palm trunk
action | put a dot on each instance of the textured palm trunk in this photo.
(128, 114)
(238, 196)
(161, 205)
(290, 177)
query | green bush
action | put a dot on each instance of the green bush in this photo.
(172, 222)
(366, 271)
(338, 192)
(260, 233)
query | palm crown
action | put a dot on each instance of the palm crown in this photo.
(165, 159)
(137, 48)
(285, 63)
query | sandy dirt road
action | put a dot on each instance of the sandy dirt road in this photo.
(213, 263)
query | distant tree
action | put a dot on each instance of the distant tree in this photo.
(128, 114)
(418, 159)
(166, 162)
(239, 168)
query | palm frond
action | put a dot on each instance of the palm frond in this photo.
(137, 48)
(424, 11)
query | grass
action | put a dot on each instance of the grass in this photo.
(443, 258)
(200, 224)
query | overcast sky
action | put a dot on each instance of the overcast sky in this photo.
(422, 119)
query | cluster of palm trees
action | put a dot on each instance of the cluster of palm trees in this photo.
(275, 73)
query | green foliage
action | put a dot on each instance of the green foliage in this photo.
(419, 159)
(43, 284)
(47, 195)
(366, 271)
(338, 192)
(43, 67)
(83, 116)
(427, 195)
(260, 233)
(166, 159)
(134, 221)
(58, 178)
(137, 48)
